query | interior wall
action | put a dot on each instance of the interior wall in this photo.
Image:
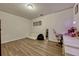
(59, 21)
(14, 27)
(76, 16)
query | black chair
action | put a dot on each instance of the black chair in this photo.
(59, 38)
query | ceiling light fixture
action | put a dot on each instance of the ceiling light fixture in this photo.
(74, 22)
(29, 6)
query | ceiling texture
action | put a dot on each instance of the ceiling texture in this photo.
(39, 9)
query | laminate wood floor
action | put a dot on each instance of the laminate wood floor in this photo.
(29, 47)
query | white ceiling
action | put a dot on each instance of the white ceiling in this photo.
(39, 8)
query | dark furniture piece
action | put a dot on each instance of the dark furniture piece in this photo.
(47, 31)
(59, 38)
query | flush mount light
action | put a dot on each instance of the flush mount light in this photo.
(74, 22)
(29, 6)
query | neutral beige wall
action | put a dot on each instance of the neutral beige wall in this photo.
(14, 27)
(59, 21)
(76, 17)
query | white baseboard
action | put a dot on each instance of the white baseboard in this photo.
(34, 38)
(2, 42)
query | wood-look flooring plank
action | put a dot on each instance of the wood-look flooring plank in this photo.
(28, 47)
